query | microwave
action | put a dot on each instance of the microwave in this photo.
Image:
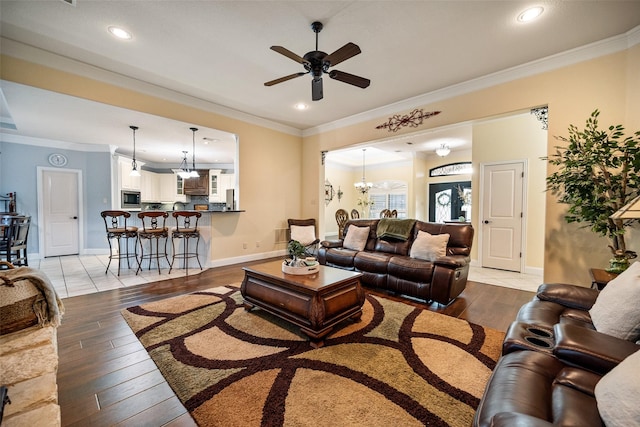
(130, 199)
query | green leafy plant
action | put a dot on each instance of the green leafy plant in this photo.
(295, 249)
(598, 173)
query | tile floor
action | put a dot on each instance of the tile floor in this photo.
(75, 275)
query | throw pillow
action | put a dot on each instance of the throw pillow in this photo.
(429, 246)
(305, 234)
(618, 393)
(356, 238)
(616, 311)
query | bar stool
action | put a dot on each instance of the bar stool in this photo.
(186, 230)
(153, 229)
(115, 223)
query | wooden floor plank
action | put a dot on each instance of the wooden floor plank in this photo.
(105, 377)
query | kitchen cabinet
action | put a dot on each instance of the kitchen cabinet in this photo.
(214, 185)
(171, 188)
(149, 186)
(128, 182)
(197, 186)
(219, 183)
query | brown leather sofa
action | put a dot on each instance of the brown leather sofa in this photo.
(385, 263)
(552, 360)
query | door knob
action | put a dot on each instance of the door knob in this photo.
(74, 217)
(486, 221)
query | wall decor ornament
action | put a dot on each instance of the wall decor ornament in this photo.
(413, 119)
(328, 192)
(339, 194)
(542, 114)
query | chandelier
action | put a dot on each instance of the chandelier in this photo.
(443, 150)
(134, 165)
(363, 186)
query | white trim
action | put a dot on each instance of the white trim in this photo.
(560, 60)
(245, 258)
(39, 191)
(42, 57)
(62, 145)
(573, 56)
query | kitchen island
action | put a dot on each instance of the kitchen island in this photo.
(204, 245)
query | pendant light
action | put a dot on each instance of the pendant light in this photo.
(134, 165)
(194, 172)
(363, 186)
(184, 172)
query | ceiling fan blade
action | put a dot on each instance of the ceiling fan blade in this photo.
(286, 52)
(349, 78)
(345, 52)
(284, 79)
(316, 89)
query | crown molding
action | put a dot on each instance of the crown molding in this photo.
(584, 53)
(52, 143)
(49, 59)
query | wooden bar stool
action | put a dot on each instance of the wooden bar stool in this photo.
(115, 223)
(185, 229)
(153, 228)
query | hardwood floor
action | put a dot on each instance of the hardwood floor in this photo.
(106, 377)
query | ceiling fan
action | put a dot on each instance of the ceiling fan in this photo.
(317, 63)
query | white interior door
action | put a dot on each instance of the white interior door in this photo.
(60, 201)
(502, 216)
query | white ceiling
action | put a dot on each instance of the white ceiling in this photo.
(218, 52)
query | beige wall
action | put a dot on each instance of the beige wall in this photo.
(269, 162)
(609, 83)
(515, 138)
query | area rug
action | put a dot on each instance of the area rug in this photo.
(400, 365)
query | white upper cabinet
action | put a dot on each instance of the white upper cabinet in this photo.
(128, 182)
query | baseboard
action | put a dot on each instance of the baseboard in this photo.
(533, 271)
(246, 258)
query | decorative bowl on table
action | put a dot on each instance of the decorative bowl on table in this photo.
(300, 267)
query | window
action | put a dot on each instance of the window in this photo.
(392, 200)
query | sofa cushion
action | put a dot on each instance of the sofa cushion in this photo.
(410, 269)
(429, 247)
(305, 234)
(340, 257)
(372, 262)
(356, 238)
(618, 393)
(616, 311)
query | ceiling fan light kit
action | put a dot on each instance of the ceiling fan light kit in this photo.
(318, 63)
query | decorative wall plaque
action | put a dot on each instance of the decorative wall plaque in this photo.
(413, 119)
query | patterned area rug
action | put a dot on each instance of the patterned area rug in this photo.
(399, 365)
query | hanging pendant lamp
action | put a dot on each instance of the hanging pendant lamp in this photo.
(363, 186)
(134, 165)
(194, 172)
(184, 172)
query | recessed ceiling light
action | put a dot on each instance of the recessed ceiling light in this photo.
(301, 106)
(530, 14)
(120, 33)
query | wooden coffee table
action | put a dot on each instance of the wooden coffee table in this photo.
(315, 302)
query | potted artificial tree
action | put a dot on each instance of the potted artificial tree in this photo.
(296, 252)
(598, 172)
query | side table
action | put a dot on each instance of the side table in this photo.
(600, 278)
